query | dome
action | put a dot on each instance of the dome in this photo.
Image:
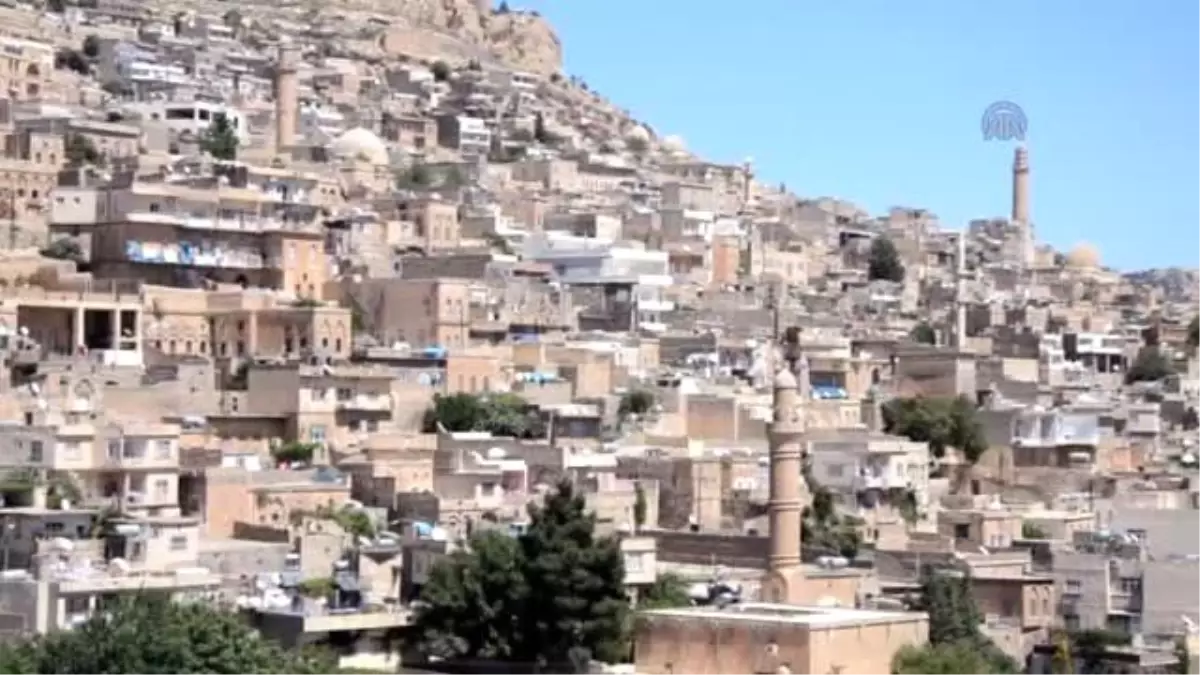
(637, 133)
(360, 143)
(1083, 256)
(674, 144)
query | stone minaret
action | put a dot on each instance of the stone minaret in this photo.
(1020, 202)
(960, 293)
(286, 98)
(748, 170)
(784, 580)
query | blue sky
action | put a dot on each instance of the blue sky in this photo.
(879, 102)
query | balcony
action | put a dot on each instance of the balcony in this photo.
(880, 482)
(656, 305)
(134, 453)
(367, 403)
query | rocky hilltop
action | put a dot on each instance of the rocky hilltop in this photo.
(522, 40)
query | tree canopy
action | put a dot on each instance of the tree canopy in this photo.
(441, 71)
(63, 248)
(1150, 365)
(956, 644)
(1193, 333)
(636, 402)
(822, 528)
(941, 659)
(80, 151)
(668, 590)
(883, 261)
(499, 414)
(151, 634)
(91, 46)
(923, 333)
(220, 139)
(552, 597)
(940, 422)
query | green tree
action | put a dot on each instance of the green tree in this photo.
(220, 139)
(636, 402)
(498, 414)
(1063, 661)
(923, 334)
(1032, 531)
(1091, 647)
(540, 133)
(63, 249)
(441, 71)
(639, 507)
(1193, 333)
(1150, 365)
(580, 578)
(953, 657)
(668, 590)
(80, 151)
(91, 47)
(551, 597)
(954, 621)
(940, 422)
(1190, 420)
(294, 452)
(821, 528)
(416, 176)
(151, 634)
(70, 59)
(883, 261)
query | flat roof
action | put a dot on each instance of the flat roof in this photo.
(809, 615)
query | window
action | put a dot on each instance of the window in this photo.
(72, 450)
(114, 449)
(162, 488)
(316, 433)
(35, 451)
(1073, 586)
(835, 470)
(162, 449)
(179, 543)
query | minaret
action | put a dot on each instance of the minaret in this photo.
(748, 171)
(1020, 202)
(784, 580)
(285, 98)
(960, 293)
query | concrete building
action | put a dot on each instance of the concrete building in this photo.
(773, 638)
(229, 226)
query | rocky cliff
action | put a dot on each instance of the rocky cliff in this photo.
(522, 40)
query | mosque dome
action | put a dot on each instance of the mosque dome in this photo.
(637, 133)
(360, 143)
(1083, 256)
(674, 144)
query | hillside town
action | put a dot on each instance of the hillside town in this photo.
(300, 302)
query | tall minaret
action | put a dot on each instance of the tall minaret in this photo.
(784, 580)
(286, 98)
(1020, 202)
(748, 171)
(960, 293)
